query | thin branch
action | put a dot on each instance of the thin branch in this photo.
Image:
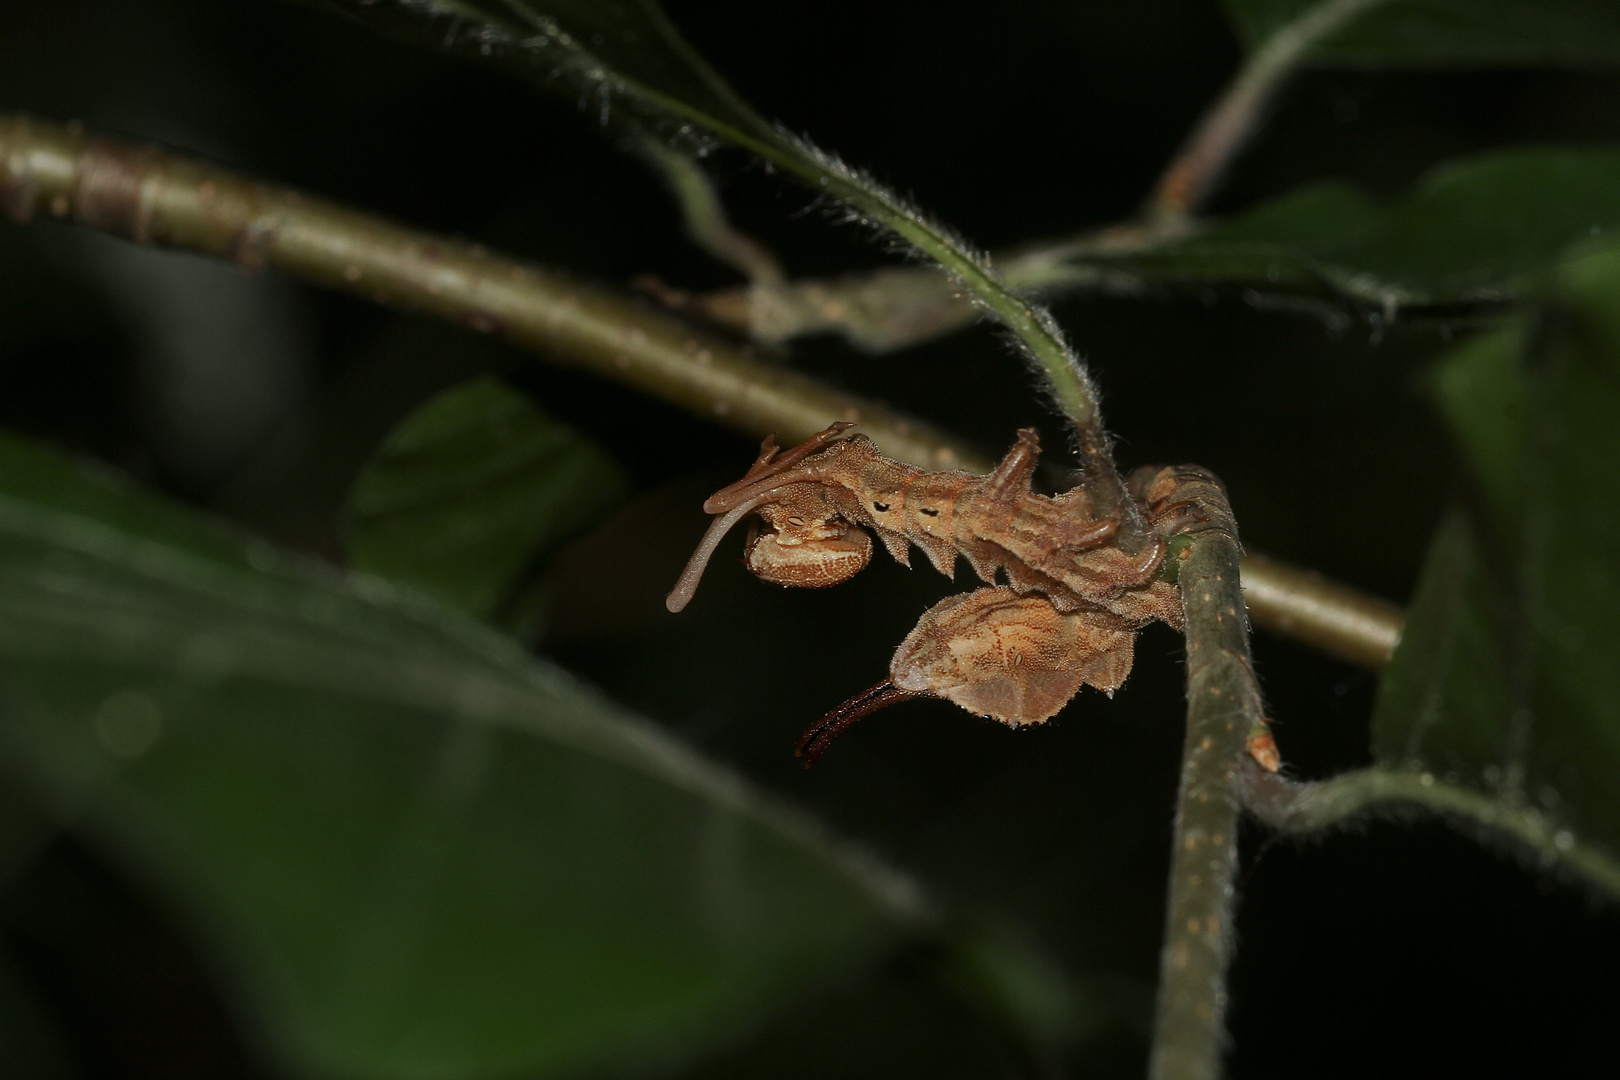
(149, 195)
(884, 310)
(1223, 709)
(153, 196)
(705, 215)
(1227, 126)
(1302, 809)
(722, 114)
(546, 47)
(1307, 607)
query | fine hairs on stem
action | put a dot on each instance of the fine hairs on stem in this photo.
(562, 319)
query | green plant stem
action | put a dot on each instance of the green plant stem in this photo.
(879, 311)
(1066, 378)
(723, 115)
(153, 196)
(889, 309)
(1302, 809)
(1223, 706)
(705, 216)
(1227, 126)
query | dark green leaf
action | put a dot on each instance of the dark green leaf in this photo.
(1446, 33)
(621, 53)
(1032, 993)
(30, 1046)
(1509, 672)
(1472, 233)
(1445, 701)
(417, 851)
(470, 489)
(1481, 389)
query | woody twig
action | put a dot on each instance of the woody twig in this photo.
(150, 195)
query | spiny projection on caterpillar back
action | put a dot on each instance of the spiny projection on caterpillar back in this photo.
(1066, 617)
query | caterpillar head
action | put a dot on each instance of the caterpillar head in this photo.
(805, 543)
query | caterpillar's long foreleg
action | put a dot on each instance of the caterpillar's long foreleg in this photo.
(814, 742)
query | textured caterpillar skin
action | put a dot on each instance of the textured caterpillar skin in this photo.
(1067, 616)
(815, 499)
(1014, 658)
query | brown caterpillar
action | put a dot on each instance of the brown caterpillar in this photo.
(813, 498)
(1066, 617)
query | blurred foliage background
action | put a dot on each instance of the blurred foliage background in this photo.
(1401, 947)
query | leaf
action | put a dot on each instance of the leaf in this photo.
(1037, 997)
(621, 53)
(1508, 676)
(625, 57)
(1445, 700)
(1481, 388)
(1473, 233)
(414, 850)
(1474, 236)
(30, 1046)
(471, 488)
(1445, 33)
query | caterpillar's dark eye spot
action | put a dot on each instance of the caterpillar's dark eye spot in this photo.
(930, 511)
(881, 508)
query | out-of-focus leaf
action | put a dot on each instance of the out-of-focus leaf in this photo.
(30, 1046)
(1474, 232)
(1508, 676)
(415, 850)
(1034, 994)
(1446, 33)
(1481, 387)
(1445, 700)
(470, 489)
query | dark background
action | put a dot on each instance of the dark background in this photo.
(1400, 948)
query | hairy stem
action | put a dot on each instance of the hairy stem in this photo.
(152, 196)
(1303, 809)
(1227, 126)
(1066, 378)
(1223, 707)
(893, 308)
(723, 115)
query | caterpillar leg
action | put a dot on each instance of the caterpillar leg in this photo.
(814, 742)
